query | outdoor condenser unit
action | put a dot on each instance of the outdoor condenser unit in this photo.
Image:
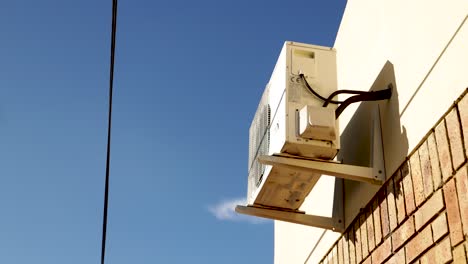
(290, 121)
(294, 138)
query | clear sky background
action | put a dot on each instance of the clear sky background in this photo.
(188, 77)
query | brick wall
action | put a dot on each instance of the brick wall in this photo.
(420, 215)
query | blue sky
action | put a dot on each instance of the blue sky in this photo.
(188, 77)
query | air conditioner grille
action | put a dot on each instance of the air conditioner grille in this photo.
(259, 141)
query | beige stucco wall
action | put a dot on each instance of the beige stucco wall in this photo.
(426, 45)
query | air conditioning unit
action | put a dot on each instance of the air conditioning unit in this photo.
(291, 121)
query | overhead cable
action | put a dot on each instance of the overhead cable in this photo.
(109, 125)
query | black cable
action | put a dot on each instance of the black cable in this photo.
(368, 96)
(361, 96)
(335, 93)
(315, 93)
(109, 125)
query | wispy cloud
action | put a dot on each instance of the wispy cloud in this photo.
(225, 210)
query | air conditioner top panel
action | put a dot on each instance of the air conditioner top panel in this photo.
(299, 44)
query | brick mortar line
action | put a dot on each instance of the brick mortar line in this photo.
(403, 246)
(459, 210)
(416, 232)
(430, 178)
(429, 222)
(457, 170)
(408, 239)
(388, 216)
(454, 105)
(408, 165)
(460, 126)
(433, 245)
(430, 163)
(422, 178)
(449, 146)
(371, 216)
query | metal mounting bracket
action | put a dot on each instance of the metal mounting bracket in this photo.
(344, 171)
(373, 173)
(297, 217)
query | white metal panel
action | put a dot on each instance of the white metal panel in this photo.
(285, 94)
(317, 123)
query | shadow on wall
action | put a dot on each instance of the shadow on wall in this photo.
(394, 139)
(357, 144)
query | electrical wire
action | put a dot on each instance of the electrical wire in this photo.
(315, 93)
(329, 99)
(368, 96)
(359, 97)
(109, 125)
(335, 93)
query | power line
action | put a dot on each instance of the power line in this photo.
(109, 125)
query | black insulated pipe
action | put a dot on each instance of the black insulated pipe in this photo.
(335, 93)
(366, 96)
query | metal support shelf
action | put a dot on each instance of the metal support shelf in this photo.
(373, 174)
(297, 217)
(344, 171)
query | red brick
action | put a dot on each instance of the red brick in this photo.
(382, 252)
(416, 176)
(403, 233)
(444, 151)
(455, 139)
(435, 166)
(399, 198)
(345, 249)
(418, 244)
(439, 227)
(432, 206)
(426, 169)
(383, 209)
(397, 258)
(453, 212)
(391, 206)
(462, 190)
(407, 189)
(459, 255)
(439, 254)
(463, 109)
(377, 225)
(370, 229)
(367, 261)
(340, 251)
(352, 247)
(335, 255)
(364, 241)
(357, 240)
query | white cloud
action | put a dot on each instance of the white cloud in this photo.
(225, 210)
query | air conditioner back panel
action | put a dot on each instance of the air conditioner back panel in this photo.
(278, 131)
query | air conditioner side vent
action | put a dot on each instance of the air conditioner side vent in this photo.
(259, 142)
